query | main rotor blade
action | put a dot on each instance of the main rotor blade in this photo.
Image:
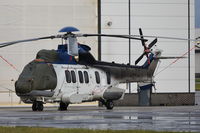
(152, 43)
(173, 57)
(119, 36)
(138, 60)
(27, 40)
(165, 37)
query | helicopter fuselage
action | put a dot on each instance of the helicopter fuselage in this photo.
(75, 84)
(48, 79)
(80, 83)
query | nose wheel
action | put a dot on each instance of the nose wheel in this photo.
(37, 106)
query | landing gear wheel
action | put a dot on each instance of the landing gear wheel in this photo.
(34, 106)
(37, 106)
(40, 106)
(109, 105)
(63, 106)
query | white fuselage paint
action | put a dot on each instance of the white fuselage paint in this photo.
(77, 91)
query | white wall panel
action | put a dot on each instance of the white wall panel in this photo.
(197, 56)
(24, 19)
(157, 18)
(197, 63)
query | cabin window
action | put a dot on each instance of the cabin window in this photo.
(80, 74)
(97, 77)
(73, 76)
(86, 76)
(68, 76)
(108, 77)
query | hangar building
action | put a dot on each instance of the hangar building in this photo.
(173, 18)
(197, 34)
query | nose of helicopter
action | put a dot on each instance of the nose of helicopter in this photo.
(36, 76)
(23, 86)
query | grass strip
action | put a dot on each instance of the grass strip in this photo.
(197, 87)
(58, 130)
(197, 79)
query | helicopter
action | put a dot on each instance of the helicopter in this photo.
(70, 74)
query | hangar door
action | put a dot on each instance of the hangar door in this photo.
(158, 18)
(24, 19)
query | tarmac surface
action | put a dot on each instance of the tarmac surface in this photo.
(165, 118)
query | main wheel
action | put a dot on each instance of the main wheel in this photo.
(109, 105)
(37, 106)
(63, 106)
(34, 106)
(40, 106)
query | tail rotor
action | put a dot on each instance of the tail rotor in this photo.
(147, 49)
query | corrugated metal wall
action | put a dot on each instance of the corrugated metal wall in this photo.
(24, 19)
(197, 55)
(158, 18)
(197, 34)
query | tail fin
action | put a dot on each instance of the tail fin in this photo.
(152, 62)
